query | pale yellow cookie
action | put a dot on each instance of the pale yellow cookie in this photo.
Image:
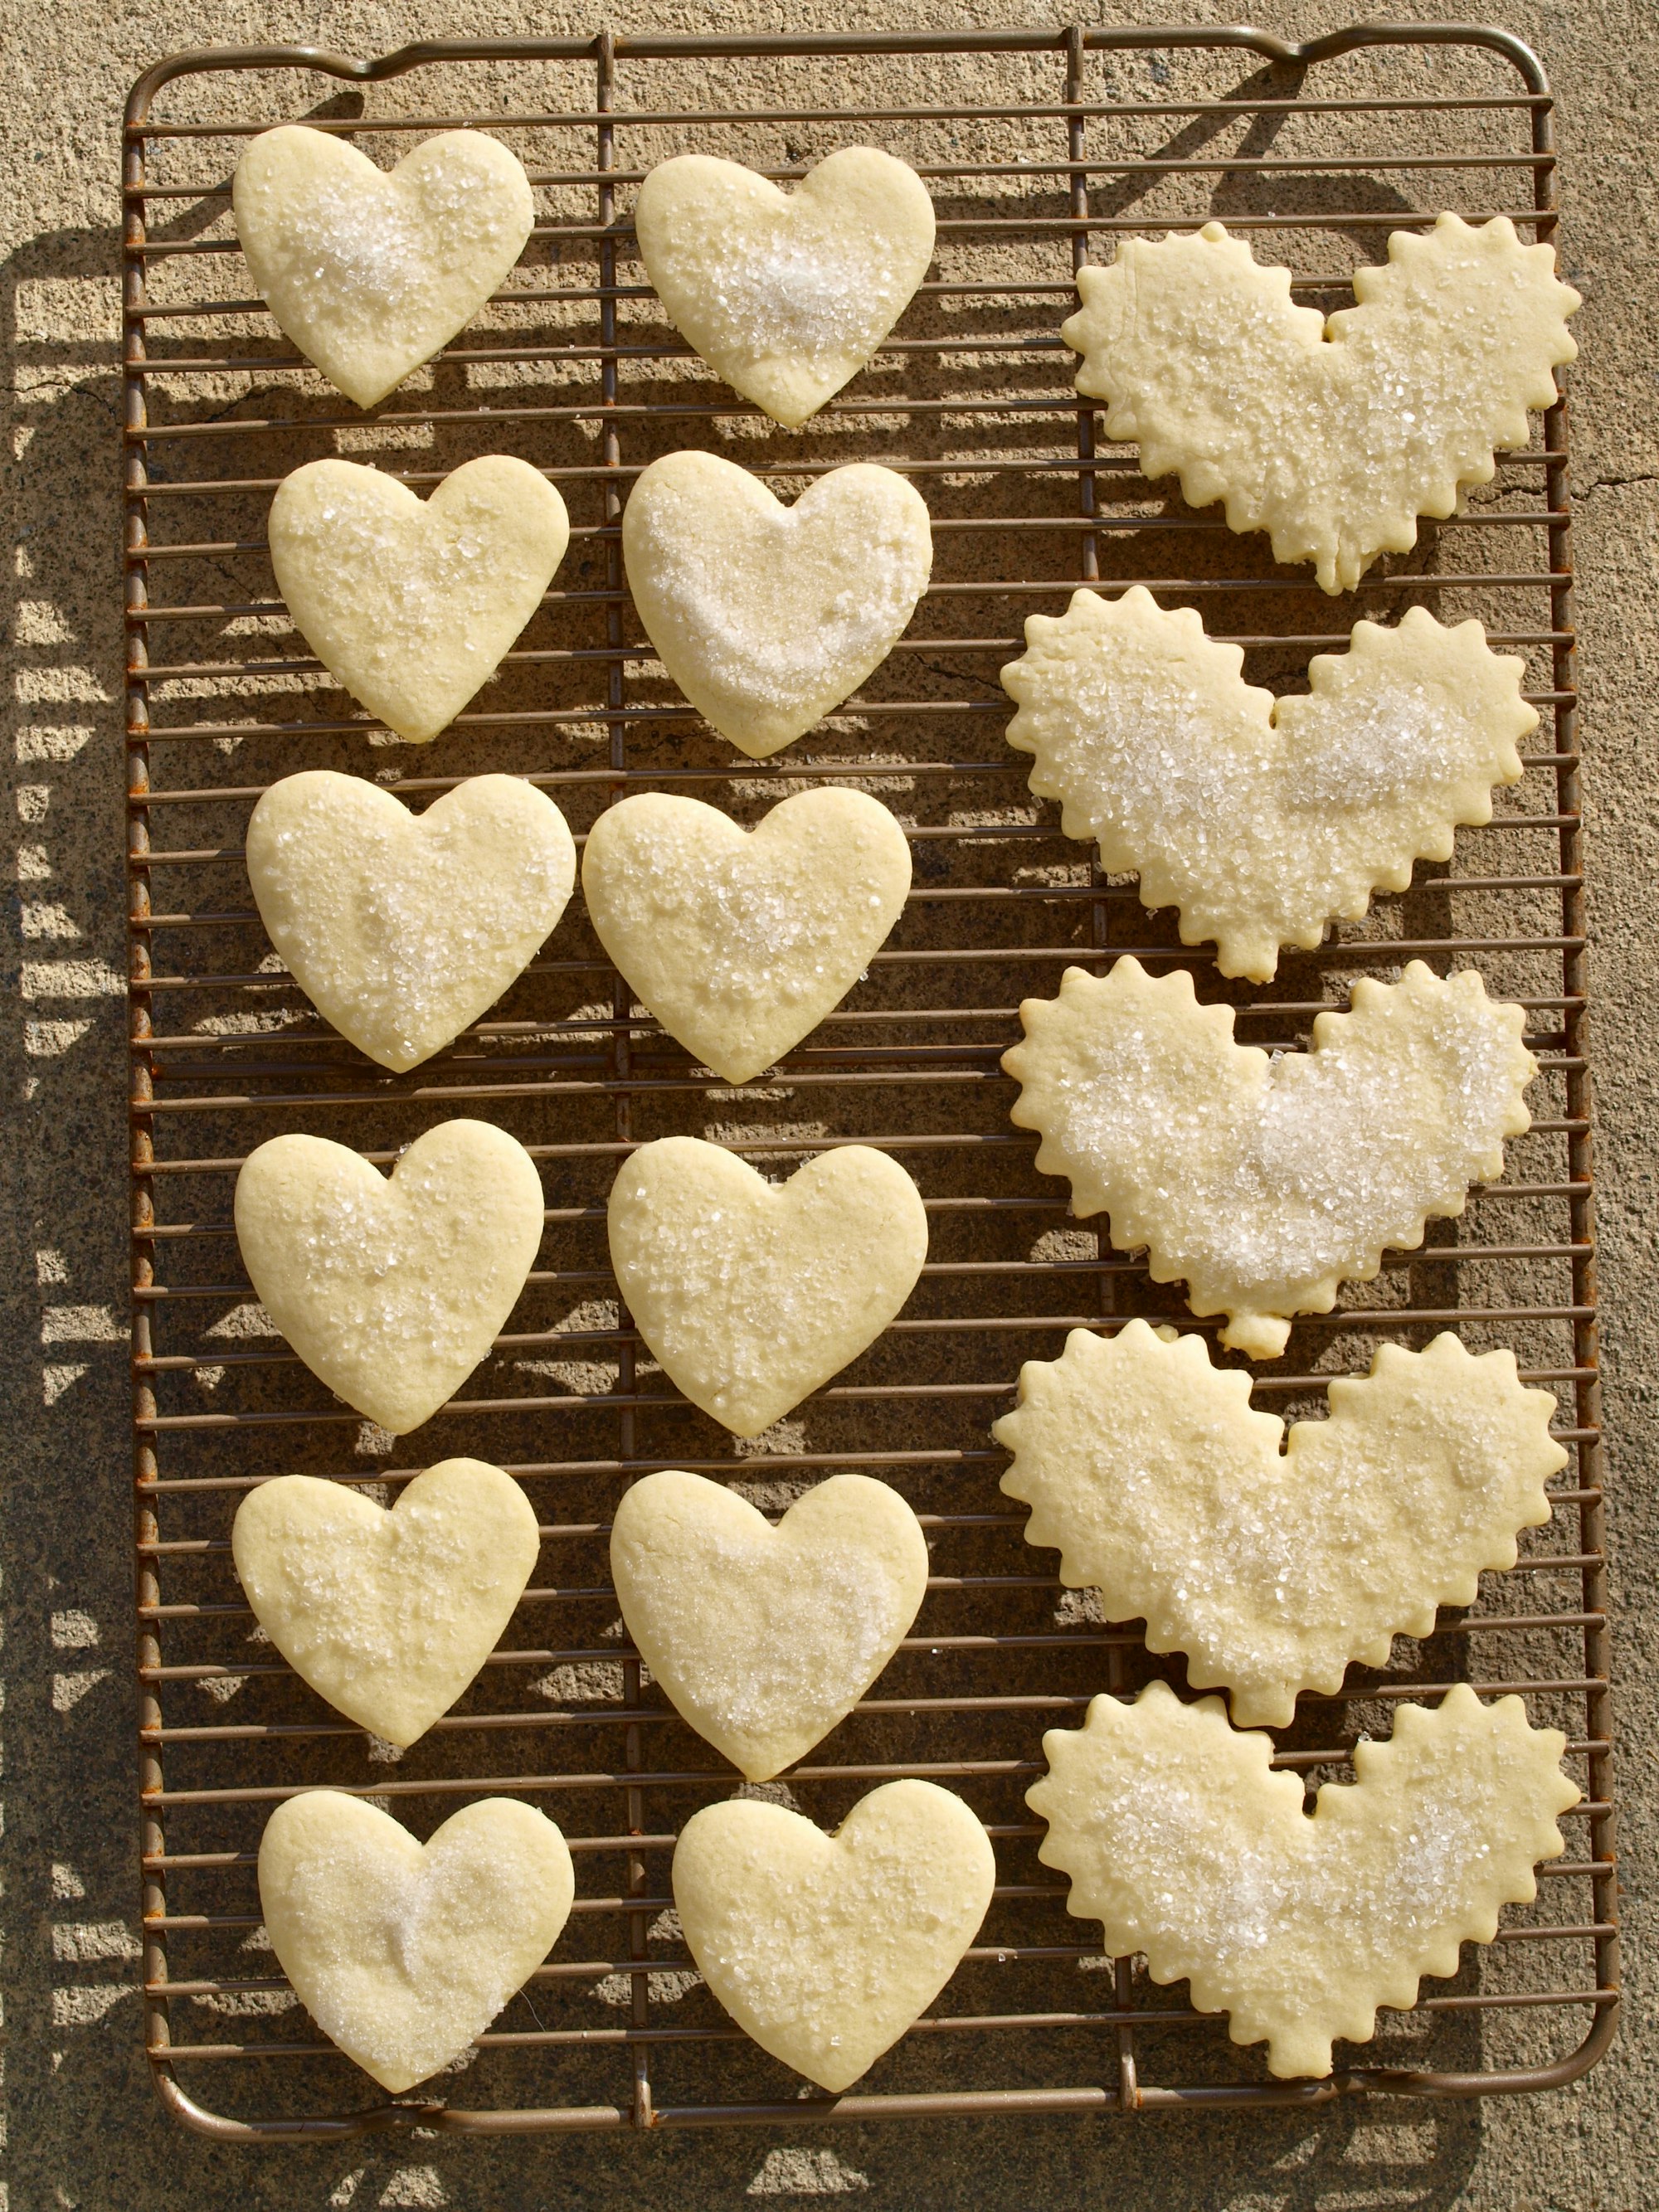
(1273, 1565)
(411, 604)
(388, 1615)
(391, 1291)
(1332, 436)
(1263, 819)
(403, 1952)
(787, 296)
(751, 1293)
(765, 1638)
(1265, 1183)
(371, 273)
(826, 1949)
(401, 928)
(769, 616)
(741, 941)
(1179, 1840)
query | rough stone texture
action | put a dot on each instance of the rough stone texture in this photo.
(83, 2131)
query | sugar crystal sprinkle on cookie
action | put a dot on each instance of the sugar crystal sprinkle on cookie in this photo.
(752, 1295)
(1333, 437)
(1262, 820)
(787, 296)
(826, 1949)
(370, 272)
(812, 296)
(391, 1290)
(1183, 1844)
(1263, 1183)
(387, 1613)
(402, 1952)
(767, 616)
(738, 941)
(764, 1637)
(402, 927)
(412, 604)
(1273, 1568)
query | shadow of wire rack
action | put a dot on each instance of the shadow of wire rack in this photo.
(1040, 148)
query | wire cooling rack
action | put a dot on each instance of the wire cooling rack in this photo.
(1040, 148)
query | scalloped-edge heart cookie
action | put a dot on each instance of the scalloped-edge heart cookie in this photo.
(826, 1949)
(402, 1951)
(765, 1638)
(391, 1290)
(1274, 1563)
(401, 928)
(1262, 1182)
(786, 296)
(740, 941)
(388, 1615)
(411, 604)
(769, 616)
(751, 1293)
(1263, 819)
(1180, 1839)
(1332, 436)
(370, 272)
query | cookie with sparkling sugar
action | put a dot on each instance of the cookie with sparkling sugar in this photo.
(751, 1293)
(1180, 1840)
(1332, 436)
(740, 941)
(1274, 1563)
(1264, 1183)
(1263, 819)
(769, 616)
(787, 296)
(826, 1949)
(765, 1638)
(370, 272)
(388, 1615)
(401, 928)
(402, 1951)
(391, 1290)
(411, 604)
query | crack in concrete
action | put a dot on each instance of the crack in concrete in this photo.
(1615, 483)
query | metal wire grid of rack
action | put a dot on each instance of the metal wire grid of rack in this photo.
(1113, 131)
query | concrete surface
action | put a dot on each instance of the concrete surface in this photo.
(82, 2129)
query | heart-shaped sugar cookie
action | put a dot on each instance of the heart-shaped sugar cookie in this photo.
(370, 273)
(403, 1952)
(1184, 1842)
(410, 604)
(826, 1949)
(788, 295)
(764, 1637)
(1263, 819)
(1335, 436)
(740, 941)
(751, 1294)
(1273, 1565)
(1265, 1183)
(388, 1615)
(391, 1291)
(401, 928)
(768, 616)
